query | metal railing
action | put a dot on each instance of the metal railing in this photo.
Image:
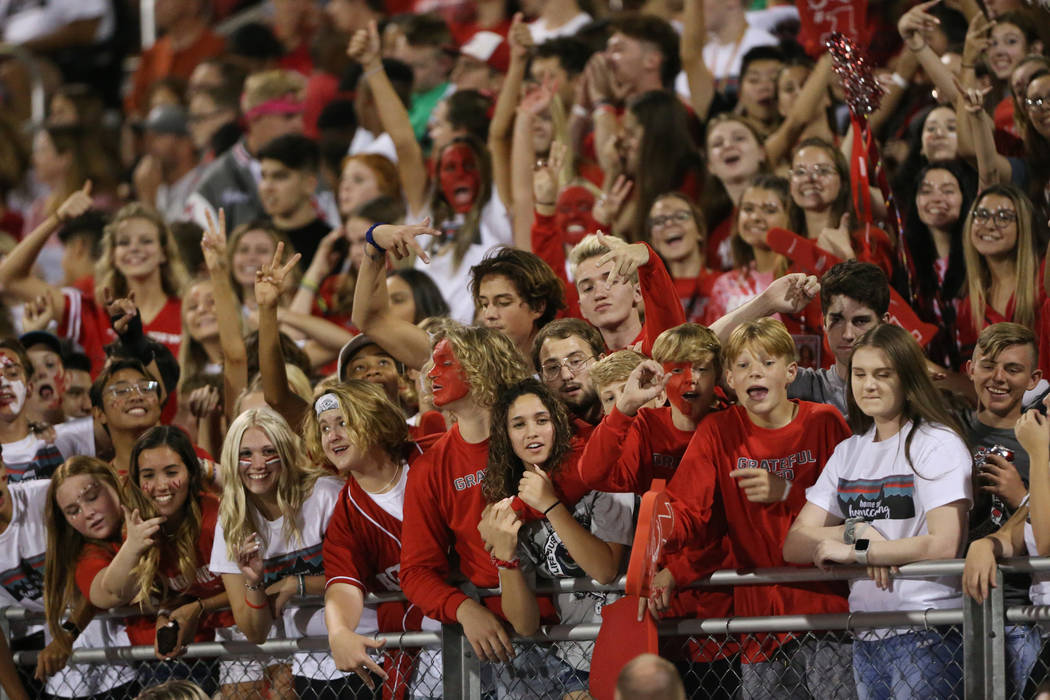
(463, 675)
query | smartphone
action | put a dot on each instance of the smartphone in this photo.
(168, 637)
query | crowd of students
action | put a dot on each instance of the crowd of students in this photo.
(394, 297)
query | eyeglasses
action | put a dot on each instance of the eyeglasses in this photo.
(679, 216)
(1038, 102)
(574, 363)
(818, 171)
(1001, 217)
(119, 392)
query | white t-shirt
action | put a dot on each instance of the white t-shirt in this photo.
(23, 544)
(282, 558)
(540, 32)
(874, 481)
(724, 60)
(22, 21)
(454, 282)
(32, 458)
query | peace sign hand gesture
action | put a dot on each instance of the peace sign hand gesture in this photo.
(271, 277)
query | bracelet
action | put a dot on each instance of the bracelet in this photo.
(967, 65)
(553, 506)
(254, 587)
(899, 80)
(603, 108)
(372, 71)
(545, 204)
(372, 241)
(71, 627)
(500, 564)
(252, 605)
(201, 603)
(309, 286)
(302, 586)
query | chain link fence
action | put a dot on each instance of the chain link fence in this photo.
(979, 651)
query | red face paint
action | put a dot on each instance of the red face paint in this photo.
(175, 486)
(681, 382)
(448, 379)
(573, 213)
(459, 178)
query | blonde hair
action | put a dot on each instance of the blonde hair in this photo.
(766, 334)
(615, 367)
(64, 543)
(173, 274)
(192, 357)
(978, 274)
(174, 690)
(689, 342)
(372, 420)
(490, 361)
(269, 85)
(294, 482)
(590, 247)
(1000, 336)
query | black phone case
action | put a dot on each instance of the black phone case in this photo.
(168, 637)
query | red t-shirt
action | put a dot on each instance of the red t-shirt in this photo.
(702, 492)
(93, 559)
(694, 292)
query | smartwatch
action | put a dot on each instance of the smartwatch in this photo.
(860, 548)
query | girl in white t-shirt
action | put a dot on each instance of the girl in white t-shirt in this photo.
(272, 518)
(896, 492)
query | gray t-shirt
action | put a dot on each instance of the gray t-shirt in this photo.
(819, 386)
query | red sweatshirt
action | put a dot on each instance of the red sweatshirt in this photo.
(702, 491)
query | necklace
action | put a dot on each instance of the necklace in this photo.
(393, 480)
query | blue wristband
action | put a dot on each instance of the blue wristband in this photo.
(372, 241)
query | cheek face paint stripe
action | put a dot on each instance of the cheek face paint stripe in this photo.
(18, 388)
(272, 461)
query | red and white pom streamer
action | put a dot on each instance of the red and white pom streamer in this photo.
(863, 92)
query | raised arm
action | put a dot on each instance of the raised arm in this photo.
(269, 283)
(786, 295)
(992, 168)
(978, 38)
(780, 143)
(523, 156)
(364, 48)
(231, 338)
(700, 78)
(500, 128)
(16, 268)
(321, 265)
(915, 25)
(114, 585)
(371, 313)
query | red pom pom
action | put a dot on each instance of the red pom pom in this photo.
(863, 92)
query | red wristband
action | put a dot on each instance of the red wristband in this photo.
(250, 605)
(500, 564)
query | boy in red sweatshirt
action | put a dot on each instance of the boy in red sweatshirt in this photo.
(745, 473)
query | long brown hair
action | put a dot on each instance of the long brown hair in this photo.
(923, 403)
(505, 468)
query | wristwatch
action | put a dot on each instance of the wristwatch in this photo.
(860, 548)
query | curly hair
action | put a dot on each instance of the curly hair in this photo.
(172, 272)
(373, 421)
(505, 467)
(490, 361)
(189, 529)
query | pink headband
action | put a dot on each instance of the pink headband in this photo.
(278, 105)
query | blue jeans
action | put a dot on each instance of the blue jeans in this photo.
(1022, 649)
(924, 664)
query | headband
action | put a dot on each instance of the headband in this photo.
(326, 402)
(278, 105)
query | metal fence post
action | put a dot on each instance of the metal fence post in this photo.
(5, 629)
(984, 666)
(460, 666)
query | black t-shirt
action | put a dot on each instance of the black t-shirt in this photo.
(307, 238)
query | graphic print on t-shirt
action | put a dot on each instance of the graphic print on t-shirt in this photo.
(25, 581)
(888, 498)
(44, 463)
(308, 562)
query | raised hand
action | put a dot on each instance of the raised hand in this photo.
(400, 241)
(38, 314)
(837, 240)
(917, 24)
(536, 489)
(978, 37)
(140, 533)
(519, 37)
(270, 278)
(538, 100)
(608, 206)
(973, 97)
(249, 559)
(205, 402)
(623, 258)
(213, 242)
(1032, 432)
(790, 294)
(75, 204)
(350, 653)
(121, 310)
(644, 383)
(365, 46)
(545, 184)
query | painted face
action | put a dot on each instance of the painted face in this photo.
(691, 387)
(459, 177)
(375, 365)
(500, 306)
(130, 401)
(164, 479)
(572, 213)
(939, 199)
(338, 448)
(1001, 382)
(137, 250)
(530, 429)
(760, 210)
(402, 301)
(674, 232)
(845, 321)
(760, 381)
(48, 377)
(258, 462)
(13, 384)
(357, 185)
(758, 87)
(993, 230)
(198, 309)
(91, 507)
(1039, 112)
(733, 152)
(815, 183)
(939, 138)
(876, 385)
(604, 304)
(254, 249)
(448, 381)
(1006, 48)
(565, 368)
